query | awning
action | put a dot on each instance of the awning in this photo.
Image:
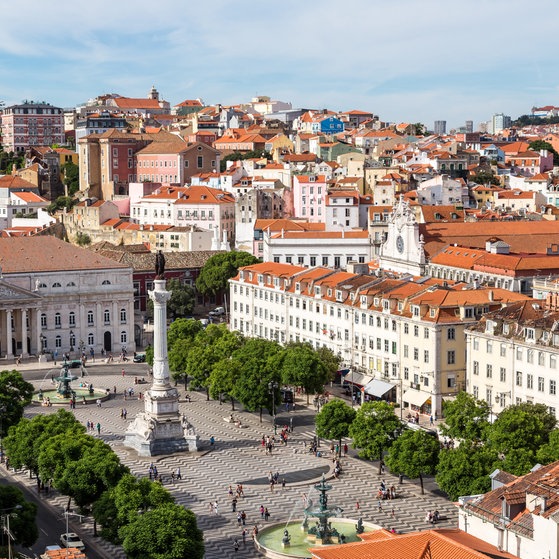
(378, 388)
(415, 397)
(359, 379)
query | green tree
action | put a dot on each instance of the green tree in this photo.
(22, 515)
(62, 202)
(374, 430)
(414, 454)
(120, 505)
(238, 156)
(258, 359)
(538, 145)
(182, 299)
(302, 366)
(210, 346)
(183, 329)
(166, 532)
(15, 394)
(334, 420)
(225, 374)
(465, 470)
(214, 276)
(466, 418)
(485, 177)
(26, 439)
(549, 452)
(71, 179)
(82, 239)
(519, 432)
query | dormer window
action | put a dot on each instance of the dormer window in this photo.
(260, 278)
(415, 310)
(317, 290)
(385, 305)
(506, 329)
(250, 276)
(432, 313)
(530, 333)
(329, 292)
(363, 300)
(338, 295)
(400, 305)
(298, 287)
(376, 301)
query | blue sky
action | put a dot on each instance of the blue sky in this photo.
(405, 60)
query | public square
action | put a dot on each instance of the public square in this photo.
(237, 457)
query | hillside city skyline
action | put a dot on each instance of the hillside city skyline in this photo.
(408, 62)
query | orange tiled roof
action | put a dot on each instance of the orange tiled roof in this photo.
(131, 103)
(30, 197)
(428, 544)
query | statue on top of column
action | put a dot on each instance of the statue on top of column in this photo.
(159, 265)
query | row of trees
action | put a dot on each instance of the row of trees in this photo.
(228, 365)
(522, 435)
(57, 450)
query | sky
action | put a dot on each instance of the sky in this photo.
(403, 60)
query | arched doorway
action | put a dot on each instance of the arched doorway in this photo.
(107, 341)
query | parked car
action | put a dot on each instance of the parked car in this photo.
(218, 311)
(71, 539)
(139, 358)
(204, 322)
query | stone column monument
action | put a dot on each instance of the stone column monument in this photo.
(160, 429)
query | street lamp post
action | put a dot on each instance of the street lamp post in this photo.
(6, 527)
(272, 387)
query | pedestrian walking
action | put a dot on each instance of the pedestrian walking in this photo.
(212, 441)
(234, 504)
(98, 428)
(357, 506)
(98, 402)
(345, 449)
(178, 472)
(239, 519)
(123, 373)
(216, 507)
(392, 512)
(262, 511)
(243, 517)
(431, 420)
(283, 484)
(266, 514)
(236, 545)
(244, 536)
(379, 505)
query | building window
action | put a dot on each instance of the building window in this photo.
(451, 357)
(451, 334)
(72, 341)
(107, 316)
(541, 383)
(553, 387)
(200, 161)
(43, 320)
(123, 337)
(123, 316)
(416, 331)
(415, 354)
(57, 320)
(489, 346)
(426, 356)
(426, 333)
(489, 370)
(552, 361)
(72, 319)
(502, 374)
(476, 368)
(503, 350)
(90, 318)
(518, 378)
(90, 339)
(529, 381)
(58, 342)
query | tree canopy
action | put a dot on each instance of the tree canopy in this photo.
(375, 429)
(414, 453)
(334, 420)
(217, 271)
(466, 418)
(15, 394)
(166, 532)
(300, 365)
(465, 470)
(22, 515)
(538, 145)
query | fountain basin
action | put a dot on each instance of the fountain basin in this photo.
(269, 539)
(57, 399)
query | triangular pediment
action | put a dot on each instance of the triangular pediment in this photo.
(10, 293)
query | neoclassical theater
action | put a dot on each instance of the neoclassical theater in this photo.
(58, 298)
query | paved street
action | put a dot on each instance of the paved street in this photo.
(238, 457)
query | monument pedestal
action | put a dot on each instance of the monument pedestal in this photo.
(160, 429)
